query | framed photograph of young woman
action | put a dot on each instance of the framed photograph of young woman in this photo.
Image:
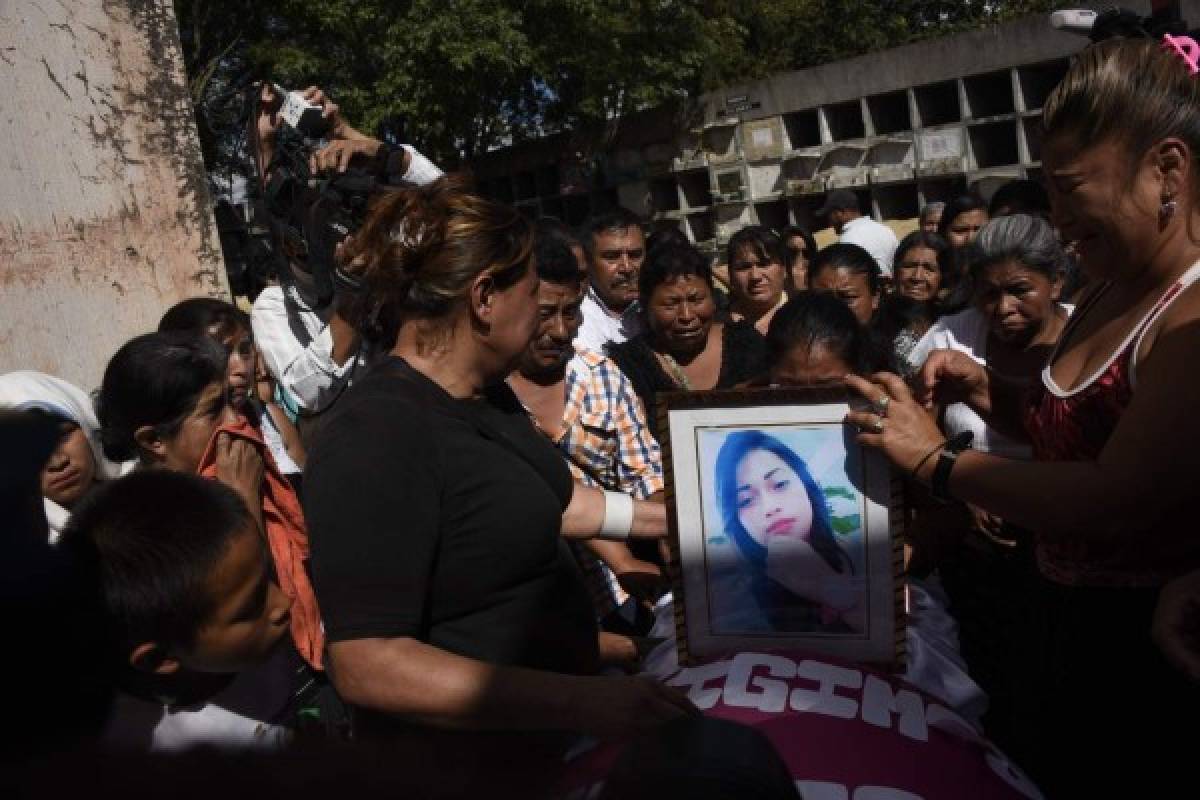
(781, 527)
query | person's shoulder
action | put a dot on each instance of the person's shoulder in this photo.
(882, 228)
(1185, 310)
(626, 351)
(596, 369)
(587, 359)
(739, 332)
(965, 330)
(269, 299)
(959, 325)
(384, 404)
(940, 336)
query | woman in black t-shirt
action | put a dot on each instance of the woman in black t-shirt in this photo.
(449, 599)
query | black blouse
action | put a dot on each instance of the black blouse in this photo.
(438, 519)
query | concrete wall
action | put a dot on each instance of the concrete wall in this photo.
(1024, 41)
(105, 217)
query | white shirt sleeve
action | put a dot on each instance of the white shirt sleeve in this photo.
(965, 331)
(298, 348)
(420, 169)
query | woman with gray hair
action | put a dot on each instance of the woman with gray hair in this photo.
(1014, 321)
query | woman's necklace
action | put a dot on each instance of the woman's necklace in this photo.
(676, 371)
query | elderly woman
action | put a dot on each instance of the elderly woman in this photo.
(931, 217)
(920, 260)
(1017, 268)
(687, 345)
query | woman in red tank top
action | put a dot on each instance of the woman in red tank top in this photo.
(1115, 423)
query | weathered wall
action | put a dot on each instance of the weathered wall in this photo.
(104, 215)
(1023, 41)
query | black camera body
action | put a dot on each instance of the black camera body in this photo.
(293, 220)
(308, 217)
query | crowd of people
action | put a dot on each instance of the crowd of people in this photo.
(432, 513)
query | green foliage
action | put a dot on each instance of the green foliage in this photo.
(844, 526)
(467, 75)
(832, 492)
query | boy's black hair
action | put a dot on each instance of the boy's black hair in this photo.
(761, 240)
(671, 261)
(552, 254)
(618, 219)
(846, 256)
(202, 314)
(155, 536)
(154, 379)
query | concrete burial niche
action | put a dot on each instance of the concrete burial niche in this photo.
(889, 112)
(803, 129)
(105, 216)
(696, 189)
(901, 127)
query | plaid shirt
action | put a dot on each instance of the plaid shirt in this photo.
(606, 443)
(604, 436)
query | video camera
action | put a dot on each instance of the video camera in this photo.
(292, 220)
(308, 214)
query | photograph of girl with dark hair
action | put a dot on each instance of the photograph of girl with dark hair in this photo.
(778, 558)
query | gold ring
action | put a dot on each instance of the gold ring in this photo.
(878, 426)
(881, 405)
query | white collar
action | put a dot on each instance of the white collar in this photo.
(630, 310)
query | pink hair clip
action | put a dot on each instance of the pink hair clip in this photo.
(1186, 48)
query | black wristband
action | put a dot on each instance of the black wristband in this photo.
(940, 483)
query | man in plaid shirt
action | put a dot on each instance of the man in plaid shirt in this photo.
(584, 404)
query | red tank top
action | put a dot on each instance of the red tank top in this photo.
(1075, 426)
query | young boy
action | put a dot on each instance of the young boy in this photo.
(196, 621)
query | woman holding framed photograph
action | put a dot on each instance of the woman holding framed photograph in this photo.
(1116, 442)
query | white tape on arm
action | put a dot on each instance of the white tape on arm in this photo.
(618, 516)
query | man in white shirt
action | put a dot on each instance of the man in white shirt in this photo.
(615, 247)
(842, 209)
(314, 354)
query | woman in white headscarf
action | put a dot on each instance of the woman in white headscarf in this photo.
(78, 462)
